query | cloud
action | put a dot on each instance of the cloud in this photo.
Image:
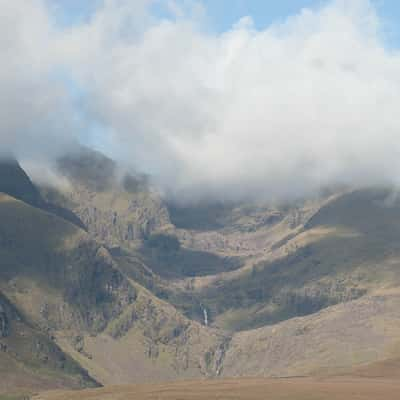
(275, 113)
(36, 116)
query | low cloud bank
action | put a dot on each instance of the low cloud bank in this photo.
(275, 113)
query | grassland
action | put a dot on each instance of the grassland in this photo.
(14, 396)
(245, 389)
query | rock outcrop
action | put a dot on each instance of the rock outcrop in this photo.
(4, 324)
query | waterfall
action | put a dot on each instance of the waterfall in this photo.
(205, 313)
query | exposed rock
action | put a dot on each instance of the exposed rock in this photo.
(4, 324)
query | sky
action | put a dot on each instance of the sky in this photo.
(223, 13)
(213, 99)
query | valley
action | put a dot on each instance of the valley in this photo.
(199, 200)
(121, 287)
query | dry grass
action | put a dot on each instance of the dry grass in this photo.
(246, 389)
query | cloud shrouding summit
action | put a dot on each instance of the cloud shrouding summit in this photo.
(36, 115)
(309, 102)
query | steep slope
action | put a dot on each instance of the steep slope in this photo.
(43, 254)
(69, 286)
(118, 209)
(15, 182)
(160, 244)
(347, 248)
(59, 280)
(341, 339)
(151, 341)
(237, 267)
(246, 265)
(123, 210)
(30, 360)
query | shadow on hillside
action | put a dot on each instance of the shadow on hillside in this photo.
(165, 256)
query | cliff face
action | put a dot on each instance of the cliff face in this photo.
(117, 208)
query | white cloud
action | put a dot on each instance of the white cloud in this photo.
(276, 112)
(36, 117)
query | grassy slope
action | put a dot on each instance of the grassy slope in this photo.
(150, 342)
(142, 340)
(336, 340)
(30, 360)
(44, 254)
(62, 282)
(57, 279)
(349, 248)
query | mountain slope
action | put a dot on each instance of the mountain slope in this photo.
(69, 286)
(151, 292)
(337, 340)
(347, 248)
(62, 263)
(15, 182)
(58, 280)
(30, 360)
(150, 342)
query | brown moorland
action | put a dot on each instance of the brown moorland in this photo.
(244, 389)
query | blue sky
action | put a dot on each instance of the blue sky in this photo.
(222, 14)
(225, 13)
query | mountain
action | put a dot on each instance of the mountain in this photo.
(341, 339)
(69, 288)
(15, 182)
(121, 286)
(30, 359)
(46, 276)
(52, 277)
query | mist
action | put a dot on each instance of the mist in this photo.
(273, 113)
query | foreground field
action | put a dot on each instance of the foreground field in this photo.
(244, 389)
